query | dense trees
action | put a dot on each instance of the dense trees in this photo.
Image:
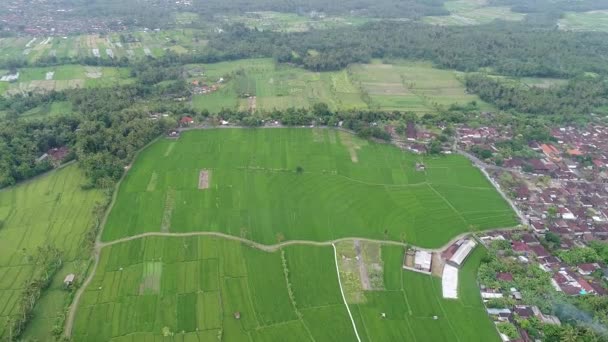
(508, 48)
(581, 96)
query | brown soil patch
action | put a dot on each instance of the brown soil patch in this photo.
(437, 264)
(203, 179)
(252, 103)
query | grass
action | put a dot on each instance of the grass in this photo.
(51, 209)
(585, 21)
(205, 280)
(403, 86)
(349, 187)
(473, 12)
(410, 305)
(411, 86)
(291, 22)
(65, 77)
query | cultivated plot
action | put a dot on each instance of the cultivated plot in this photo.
(410, 307)
(206, 288)
(410, 86)
(270, 185)
(274, 86)
(473, 12)
(585, 21)
(49, 210)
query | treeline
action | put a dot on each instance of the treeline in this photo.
(580, 97)
(47, 262)
(512, 49)
(105, 130)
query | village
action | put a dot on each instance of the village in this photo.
(559, 191)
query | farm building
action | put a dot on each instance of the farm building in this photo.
(422, 261)
(69, 280)
(463, 251)
(186, 121)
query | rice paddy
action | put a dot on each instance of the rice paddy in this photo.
(53, 210)
(206, 288)
(66, 77)
(347, 187)
(404, 86)
(473, 12)
(585, 21)
(139, 44)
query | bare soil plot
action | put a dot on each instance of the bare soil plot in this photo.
(93, 72)
(203, 179)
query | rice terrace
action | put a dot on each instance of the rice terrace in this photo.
(286, 234)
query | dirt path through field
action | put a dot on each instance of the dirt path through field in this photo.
(365, 283)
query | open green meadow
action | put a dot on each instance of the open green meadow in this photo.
(585, 21)
(189, 289)
(403, 86)
(410, 86)
(274, 86)
(410, 301)
(48, 210)
(473, 12)
(65, 77)
(292, 22)
(346, 187)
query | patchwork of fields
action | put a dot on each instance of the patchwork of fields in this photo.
(585, 21)
(404, 86)
(65, 77)
(130, 45)
(49, 210)
(206, 288)
(344, 187)
(203, 289)
(473, 12)
(291, 22)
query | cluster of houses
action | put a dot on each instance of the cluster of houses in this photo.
(569, 280)
(202, 88)
(51, 18)
(560, 189)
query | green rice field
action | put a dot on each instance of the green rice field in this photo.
(291, 22)
(410, 301)
(65, 77)
(190, 289)
(139, 44)
(50, 209)
(346, 187)
(585, 21)
(404, 86)
(473, 12)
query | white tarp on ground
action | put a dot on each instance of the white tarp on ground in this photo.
(449, 282)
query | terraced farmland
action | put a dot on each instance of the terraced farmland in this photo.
(49, 210)
(271, 185)
(204, 288)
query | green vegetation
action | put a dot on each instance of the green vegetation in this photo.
(51, 212)
(411, 300)
(201, 283)
(411, 86)
(57, 78)
(292, 22)
(404, 86)
(472, 12)
(349, 187)
(585, 21)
